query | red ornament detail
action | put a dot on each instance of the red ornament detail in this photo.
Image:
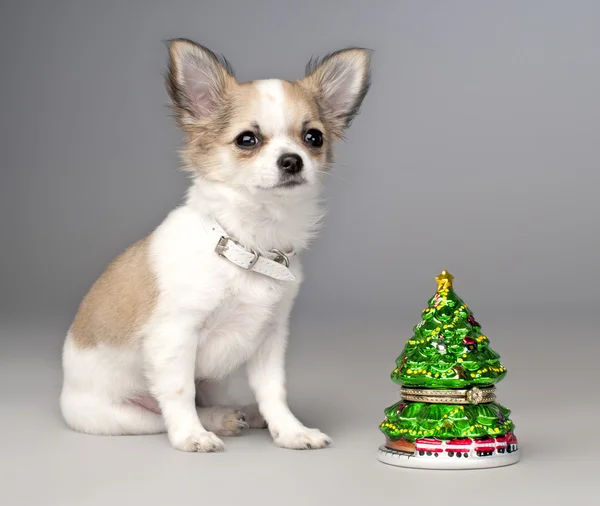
(437, 298)
(470, 343)
(471, 319)
(440, 336)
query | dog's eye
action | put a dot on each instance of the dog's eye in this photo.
(246, 140)
(314, 138)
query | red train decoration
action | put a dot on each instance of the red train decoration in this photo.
(467, 447)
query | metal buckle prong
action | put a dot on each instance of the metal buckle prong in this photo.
(221, 245)
(281, 257)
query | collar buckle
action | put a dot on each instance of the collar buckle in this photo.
(222, 246)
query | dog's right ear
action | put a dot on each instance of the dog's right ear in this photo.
(197, 80)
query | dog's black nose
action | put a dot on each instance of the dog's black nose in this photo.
(290, 163)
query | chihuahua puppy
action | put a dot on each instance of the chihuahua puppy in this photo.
(212, 287)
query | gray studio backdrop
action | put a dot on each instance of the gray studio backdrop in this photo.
(476, 151)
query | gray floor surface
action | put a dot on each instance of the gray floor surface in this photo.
(339, 382)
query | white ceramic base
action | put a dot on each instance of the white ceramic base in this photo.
(403, 459)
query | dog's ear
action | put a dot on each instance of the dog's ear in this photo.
(340, 81)
(196, 80)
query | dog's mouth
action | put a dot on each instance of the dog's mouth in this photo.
(292, 183)
(286, 184)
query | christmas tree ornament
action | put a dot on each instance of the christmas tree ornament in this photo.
(447, 416)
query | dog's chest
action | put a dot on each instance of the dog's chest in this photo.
(233, 332)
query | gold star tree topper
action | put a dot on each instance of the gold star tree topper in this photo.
(444, 280)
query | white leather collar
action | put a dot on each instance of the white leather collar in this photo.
(274, 263)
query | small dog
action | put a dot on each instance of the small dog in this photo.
(211, 288)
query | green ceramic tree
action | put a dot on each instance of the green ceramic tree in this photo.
(447, 351)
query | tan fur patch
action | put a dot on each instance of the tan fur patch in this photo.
(301, 102)
(301, 105)
(199, 153)
(120, 301)
(240, 111)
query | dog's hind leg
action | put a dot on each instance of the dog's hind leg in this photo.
(91, 414)
(216, 407)
(254, 417)
(223, 420)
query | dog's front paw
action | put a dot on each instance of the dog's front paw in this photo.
(203, 442)
(304, 439)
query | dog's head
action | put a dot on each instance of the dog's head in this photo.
(268, 135)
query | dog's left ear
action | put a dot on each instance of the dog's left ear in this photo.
(340, 81)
